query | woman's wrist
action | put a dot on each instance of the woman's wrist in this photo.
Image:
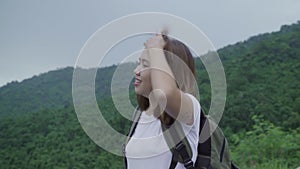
(156, 42)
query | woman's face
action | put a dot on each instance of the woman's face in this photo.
(142, 76)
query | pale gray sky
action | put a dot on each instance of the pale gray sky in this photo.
(37, 36)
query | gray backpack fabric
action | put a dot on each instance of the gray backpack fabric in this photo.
(213, 153)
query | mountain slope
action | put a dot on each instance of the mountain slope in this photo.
(262, 108)
(262, 78)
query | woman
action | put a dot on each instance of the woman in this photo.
(165, 87)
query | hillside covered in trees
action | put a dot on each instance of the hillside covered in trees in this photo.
(39, 127)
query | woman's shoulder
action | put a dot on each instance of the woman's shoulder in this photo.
(195, 101)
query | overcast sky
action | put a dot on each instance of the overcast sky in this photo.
(37, 36)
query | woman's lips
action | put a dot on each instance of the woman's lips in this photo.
(137, 82)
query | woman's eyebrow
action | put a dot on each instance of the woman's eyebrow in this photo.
(145, 60)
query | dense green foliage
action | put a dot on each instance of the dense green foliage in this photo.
(263, 78)
(265, 145)
(39, 128)
(50, 139)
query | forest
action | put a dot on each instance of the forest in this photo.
(39, 127)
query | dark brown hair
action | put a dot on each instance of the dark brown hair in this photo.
(173, 50)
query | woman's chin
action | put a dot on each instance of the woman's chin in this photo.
(137, 91)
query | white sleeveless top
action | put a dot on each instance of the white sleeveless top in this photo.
(147, 149)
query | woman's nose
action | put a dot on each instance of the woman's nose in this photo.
(137, 70)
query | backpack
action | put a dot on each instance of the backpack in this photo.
(213, 153)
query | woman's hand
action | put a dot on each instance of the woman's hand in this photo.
(155, 42)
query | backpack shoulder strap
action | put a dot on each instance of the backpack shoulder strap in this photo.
(180, 148)
(185, 152)
(204, 148)
(205, 129)
(135, 119)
